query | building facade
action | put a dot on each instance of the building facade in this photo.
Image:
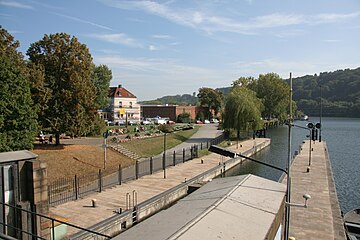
(123, 107)
(170, 111)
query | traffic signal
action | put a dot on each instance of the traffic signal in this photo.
(314, 134)
(310, 125)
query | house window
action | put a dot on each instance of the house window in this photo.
(122, 115)
(130, 104)
(120, 104)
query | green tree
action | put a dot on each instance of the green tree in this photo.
(242, 110)
(274, 93)
(67, 66)
(211, 98)
(17, 117)
(243, 82)
(101, 78)
(184, 117)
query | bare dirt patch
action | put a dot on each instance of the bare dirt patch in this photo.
(65, 161)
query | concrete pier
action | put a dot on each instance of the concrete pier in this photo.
(322, 219)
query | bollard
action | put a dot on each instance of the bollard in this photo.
(202, 161)
(93, 202)
(308, 169)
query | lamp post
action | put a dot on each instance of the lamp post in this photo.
(165, 128)
(164, 156)
(320, 113)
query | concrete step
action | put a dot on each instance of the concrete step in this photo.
(121, 149)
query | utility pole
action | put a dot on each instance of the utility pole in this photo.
(288, 188)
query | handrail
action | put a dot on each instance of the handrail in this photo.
(56, 220)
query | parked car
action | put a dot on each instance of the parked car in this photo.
(214, 120)
(206, 121)
(170, 122)
(146, 122)
(199, 122)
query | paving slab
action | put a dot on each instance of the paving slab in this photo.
(322, 219)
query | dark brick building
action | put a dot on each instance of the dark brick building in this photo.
(170, 111)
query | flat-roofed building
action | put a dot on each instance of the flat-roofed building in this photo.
(240, 207)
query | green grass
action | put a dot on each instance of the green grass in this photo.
(149, 147)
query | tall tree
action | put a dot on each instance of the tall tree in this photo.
(211, 98)
(67, 66)
(243, 81)
(274, 93)
(242, 110)
(17, 117)
(101, 78)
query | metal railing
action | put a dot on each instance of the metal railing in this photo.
(69, 189)
(47, 228)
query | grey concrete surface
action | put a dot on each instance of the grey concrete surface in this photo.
(322, 219)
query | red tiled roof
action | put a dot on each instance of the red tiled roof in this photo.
(120, 92)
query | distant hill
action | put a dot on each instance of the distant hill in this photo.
(340, 92)
(182, 100)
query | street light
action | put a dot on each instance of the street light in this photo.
(165, 128)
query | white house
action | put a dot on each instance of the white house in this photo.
(123, 107)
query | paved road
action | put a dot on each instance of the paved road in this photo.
(205, 133)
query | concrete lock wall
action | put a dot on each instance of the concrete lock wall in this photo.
(120, 222)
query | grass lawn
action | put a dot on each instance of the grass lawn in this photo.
(65, 161)
(148, 147)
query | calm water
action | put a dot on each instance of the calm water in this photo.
(342, 138)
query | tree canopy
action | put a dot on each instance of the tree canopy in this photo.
(101, 78)
(17, 118)
(339, 90)
(211, 98)
(242, 110)
(67, 68)
(274, 94)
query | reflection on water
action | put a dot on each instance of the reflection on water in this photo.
(342, 138)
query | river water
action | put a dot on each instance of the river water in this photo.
(342, 137)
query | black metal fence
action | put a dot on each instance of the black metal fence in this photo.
(68, 189)
(47, 230)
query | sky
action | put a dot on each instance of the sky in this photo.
(170, 47)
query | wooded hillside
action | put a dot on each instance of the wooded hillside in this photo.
(340, 91)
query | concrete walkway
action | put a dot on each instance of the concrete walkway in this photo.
(322, 219)
(82, 214)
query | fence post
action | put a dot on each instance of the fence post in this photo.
(200, 146)
(183, 155)
(136, 169)
(151, 165)
(174, 158)
(76, 187)
(197, 151)
(191, 152)
(100, 181)
(120, 174)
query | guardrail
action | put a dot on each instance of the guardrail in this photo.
(69, 189)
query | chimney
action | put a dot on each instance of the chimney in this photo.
(119, 86)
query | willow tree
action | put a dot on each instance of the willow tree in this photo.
(17, 117)
(242, 110)
(67, 66)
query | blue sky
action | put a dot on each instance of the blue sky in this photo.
(158, 48)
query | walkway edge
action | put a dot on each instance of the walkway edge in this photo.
(339, 230)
